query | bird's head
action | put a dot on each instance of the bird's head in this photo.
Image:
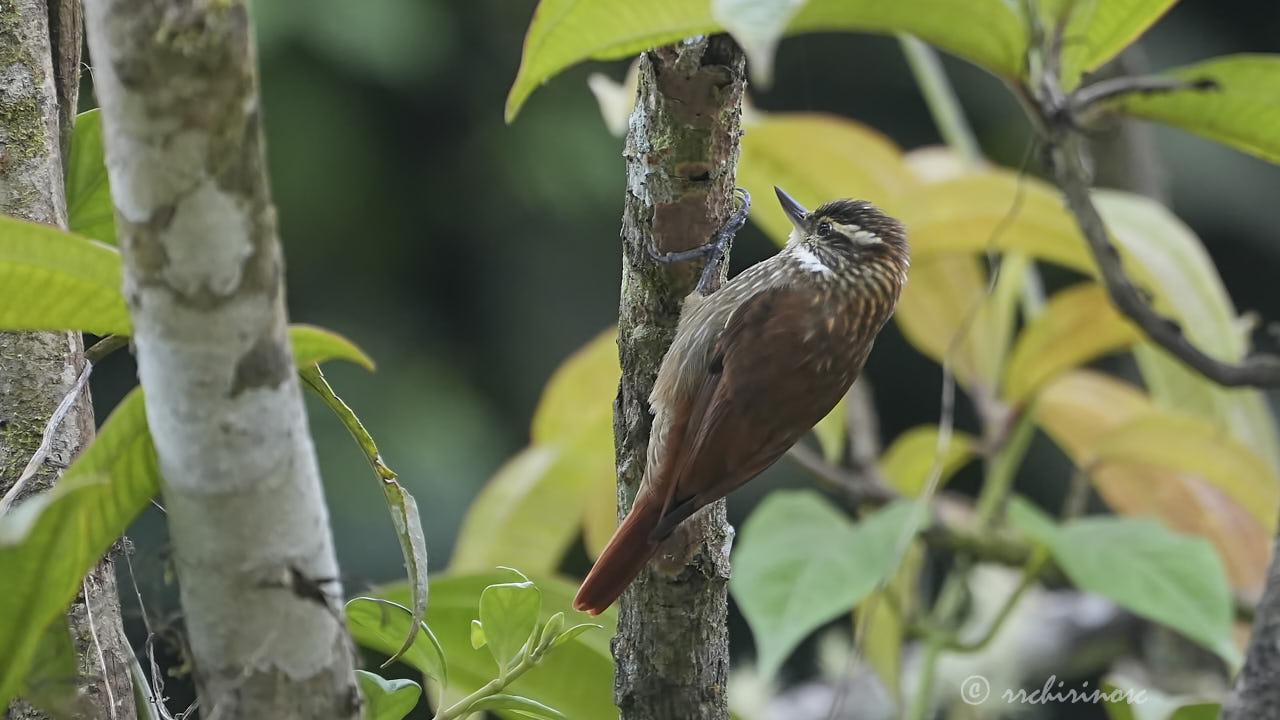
(849, 237)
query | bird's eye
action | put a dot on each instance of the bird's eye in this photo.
(824, 228)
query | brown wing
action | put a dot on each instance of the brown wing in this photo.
(780, 364)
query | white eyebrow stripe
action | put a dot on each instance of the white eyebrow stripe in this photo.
(856, 234)
(811, 262)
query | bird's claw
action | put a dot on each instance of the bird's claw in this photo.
(713, 250)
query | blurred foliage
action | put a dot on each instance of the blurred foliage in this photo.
(468, 257)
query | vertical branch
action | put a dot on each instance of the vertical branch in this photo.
(1257, 690)
(38, 82)
(672, 650)
(203, 277)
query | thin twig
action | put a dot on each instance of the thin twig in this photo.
(156, 690)
(46, 442)
(1065, 155)
(104, 347)
(102, 658)
(1067, 167)
(857, 487)
(1090, 95)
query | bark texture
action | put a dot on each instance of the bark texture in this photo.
(672, 647)
(38, 84)
(1257, 689)
(178, 86)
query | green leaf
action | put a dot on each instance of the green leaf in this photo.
(401, 504)
(51, 683)
(477, 635)
(520, 705)
(52, 280)
(509, 613)
(550, 630)
(565, 32)
(53, 539)
(1126, 700)
(383, 625)
(1172, 579)
(800, 563)
(312, 345)
(90, 211)
(573, 632)
(1243, 112)
(387, 699)
(531, 511)
(987, 33)
(909, 461)
(757, 25)
(576, 678)
(1078, 325)
(1098, 30)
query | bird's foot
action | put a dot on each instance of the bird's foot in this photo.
(713, 251)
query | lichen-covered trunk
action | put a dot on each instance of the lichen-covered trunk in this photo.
(672, 647)
(39, 78)
(203, 277)
(1257, 690)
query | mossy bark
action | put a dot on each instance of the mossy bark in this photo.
(672, 647)
(38, 83)
(204, 281)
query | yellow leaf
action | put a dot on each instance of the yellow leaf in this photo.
(1078, 324)
(832, 432)
(882, 645)
(907, 463)
(532, 509)
(942, 292)
(988, 210)
(1190, 445)
(580, 393)
(601, 517)
(1081, 410)
(817, 158)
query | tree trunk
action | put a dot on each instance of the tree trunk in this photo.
(672, 647)
(1257, 690)
(39, 81)
(203, 278)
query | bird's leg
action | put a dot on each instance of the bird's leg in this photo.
(713, 251)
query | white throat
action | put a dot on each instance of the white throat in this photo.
(809, 261)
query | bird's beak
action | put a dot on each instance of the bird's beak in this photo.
(794, 210)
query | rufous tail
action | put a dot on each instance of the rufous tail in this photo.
(623, 558)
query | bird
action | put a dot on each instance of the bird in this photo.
(752, 368)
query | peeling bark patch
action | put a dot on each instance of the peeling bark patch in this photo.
(207, 241)
(267, 364)
(683, 224)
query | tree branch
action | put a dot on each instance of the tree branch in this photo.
(671, 652)
(1065, 155)
(39, 371)
(203, 277)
